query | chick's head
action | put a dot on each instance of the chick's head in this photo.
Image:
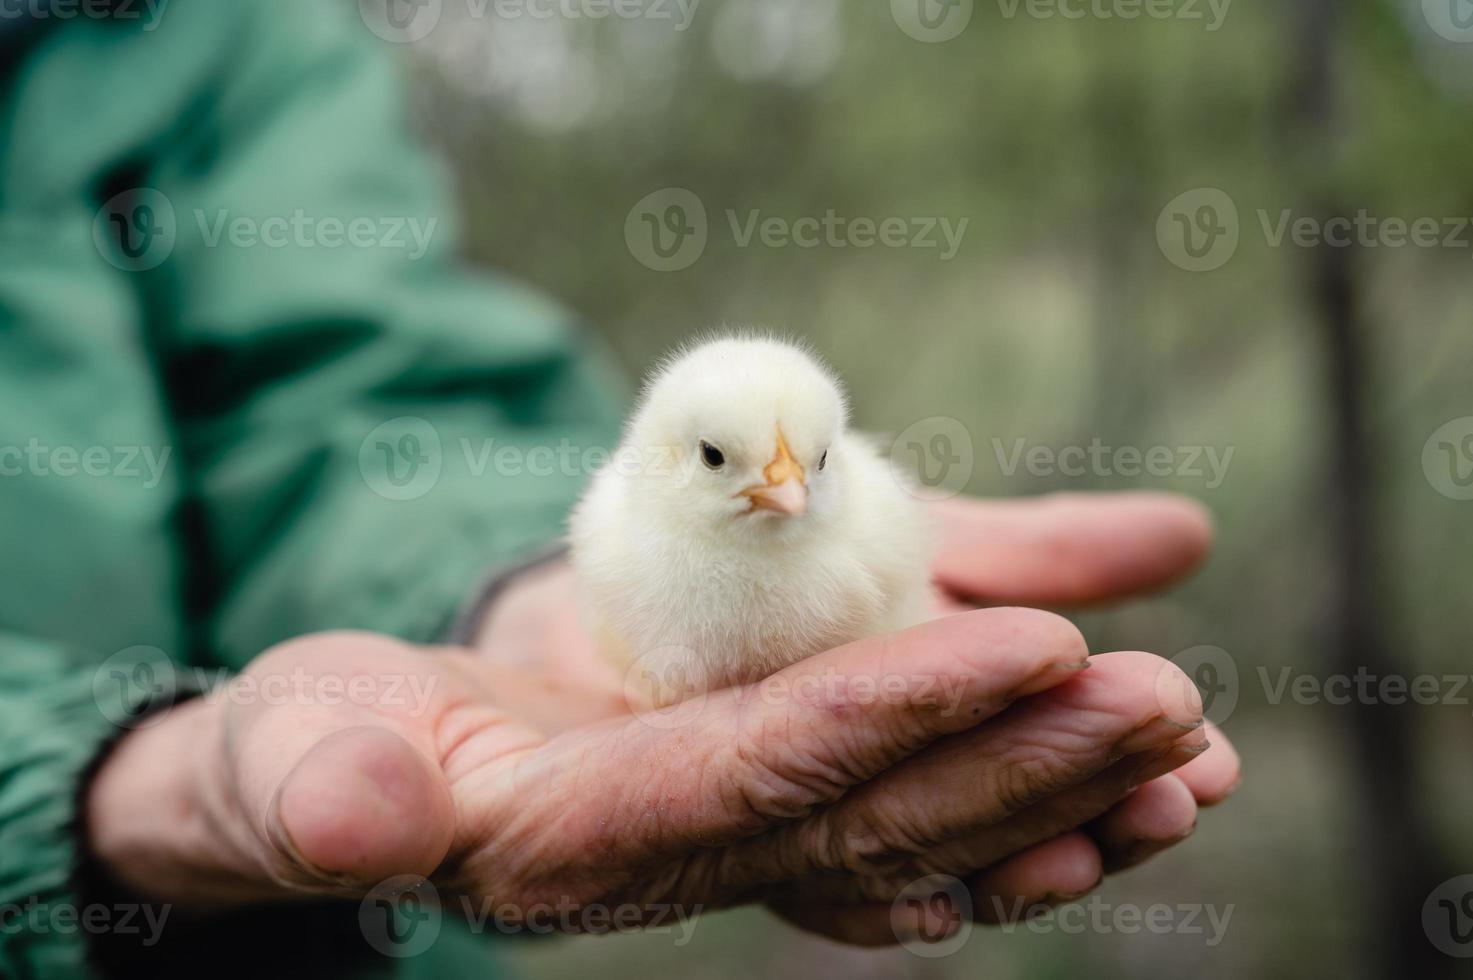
(752, 429)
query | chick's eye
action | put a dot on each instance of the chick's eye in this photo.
(712, 456)
(823, 459)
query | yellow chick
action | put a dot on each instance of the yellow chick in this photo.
(742, 526)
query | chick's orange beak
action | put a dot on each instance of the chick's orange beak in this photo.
(786, 490)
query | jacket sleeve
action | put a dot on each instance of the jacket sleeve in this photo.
(58, 709)
(367, 426)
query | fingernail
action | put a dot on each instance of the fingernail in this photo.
(1063, 898)
(1050, 676)
(281, 839)
(1140, 854)
(1140, 851)
(1168, 761)
(1158, 731)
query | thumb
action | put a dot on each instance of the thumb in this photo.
(361, 805)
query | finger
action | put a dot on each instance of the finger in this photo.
(1062, 869)
(805, 736)
(1061, 813)
(754, 757)
(1156, 816)
(1041, 747)
(943, 604)
(1068, 549)
(861, 924)
(1216, 774)
(1022, 865)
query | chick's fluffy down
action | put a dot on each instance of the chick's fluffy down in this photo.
(683, 580)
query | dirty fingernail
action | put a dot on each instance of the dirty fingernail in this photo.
(1170, 760)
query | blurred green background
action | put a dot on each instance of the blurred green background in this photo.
(1064, 318)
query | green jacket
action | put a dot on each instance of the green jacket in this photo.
(224, 366)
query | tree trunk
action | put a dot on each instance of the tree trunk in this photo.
(1399, 858)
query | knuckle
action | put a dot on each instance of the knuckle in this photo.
(770, 780)
(1024, 781)
(887, 836)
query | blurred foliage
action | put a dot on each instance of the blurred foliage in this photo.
(1059, 321)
